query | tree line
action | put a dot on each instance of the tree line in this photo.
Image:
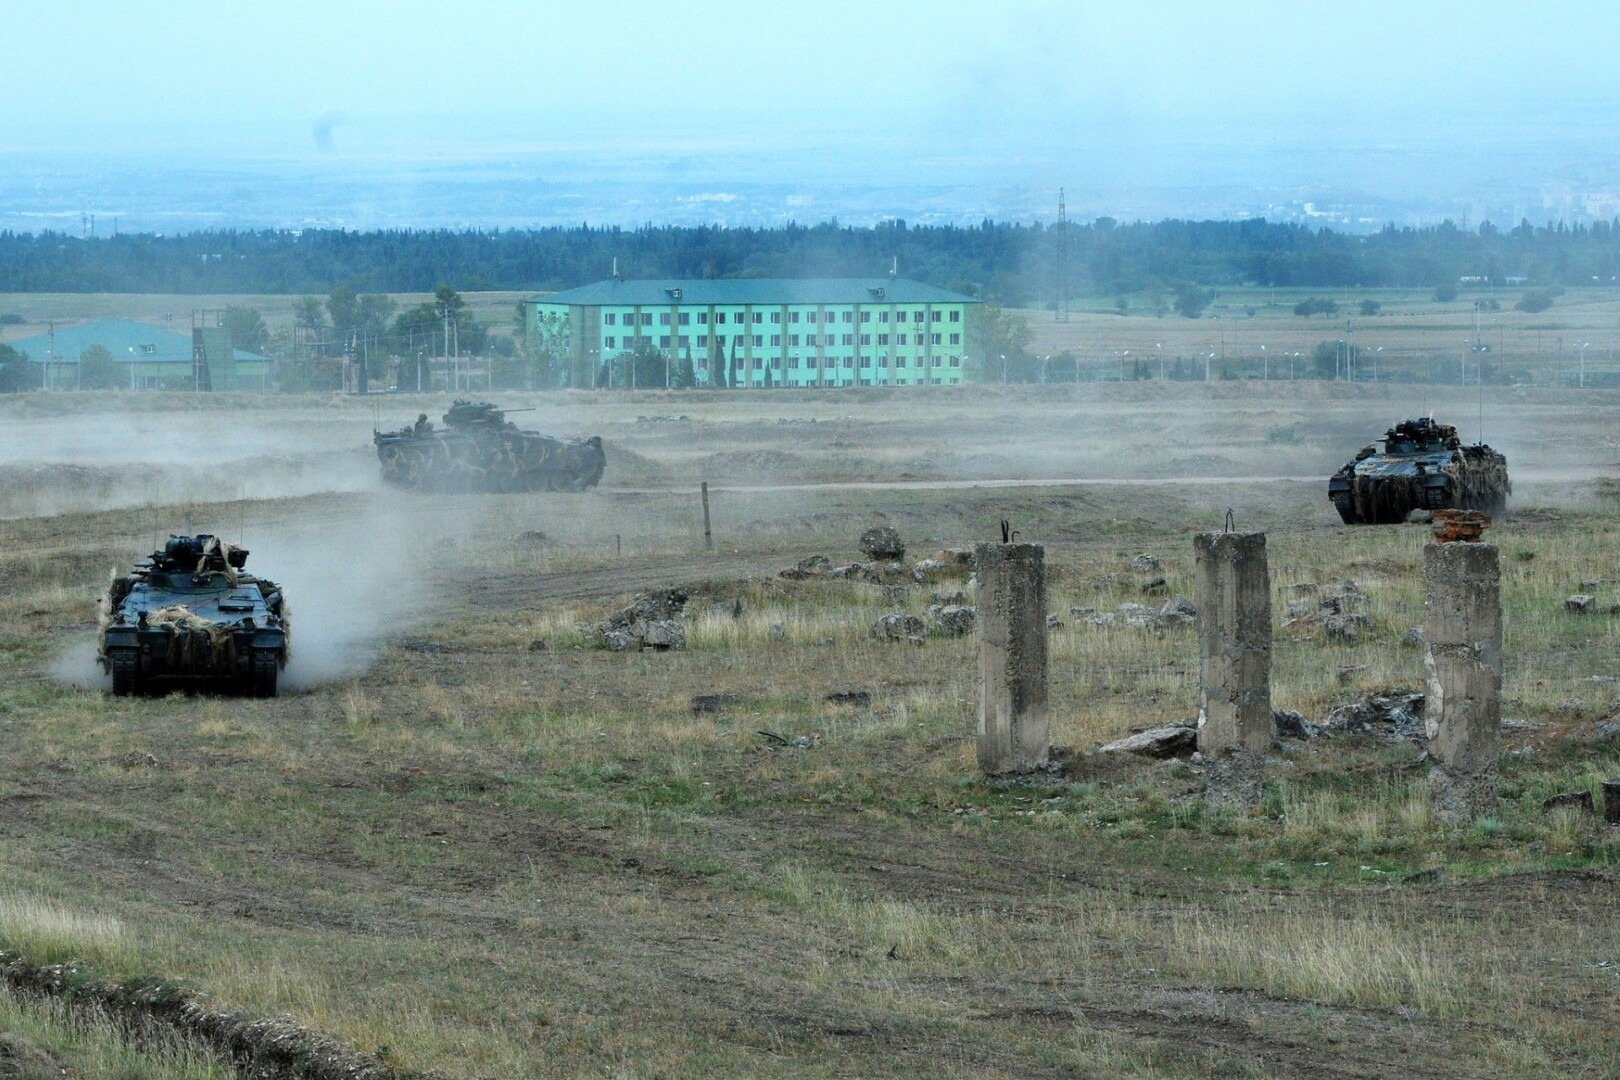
(1168, 264)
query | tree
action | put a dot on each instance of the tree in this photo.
(247, 329)
(1318, 306)
(1370, 307)
(98, 370)
(1003, 333)
(1325, 358)
(341, 303)
(309, 312)
(16, 373)
(1534, 302)
(1191, 301)
(1445, 292)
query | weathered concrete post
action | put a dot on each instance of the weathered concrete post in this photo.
(1234, 664)
(1463, 710)
(1014, 726)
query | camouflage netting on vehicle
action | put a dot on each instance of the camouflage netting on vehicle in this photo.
(480, 450)
(1421, 466)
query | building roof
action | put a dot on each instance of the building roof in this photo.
(660, 292)
(124, 340)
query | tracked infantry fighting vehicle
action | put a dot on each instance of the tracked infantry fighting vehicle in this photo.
(189, 615)
(478, 449)
(1422, 466)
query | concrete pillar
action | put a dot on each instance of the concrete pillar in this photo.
(1463, 710)
(1014, 726)
(1234, 664)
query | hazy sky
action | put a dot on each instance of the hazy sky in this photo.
(1121, 93)
(262, 76)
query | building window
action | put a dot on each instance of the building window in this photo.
(937, 361)
(607, 342)
(866, 339)
(848, 339)
(883, 316)
(956, 315)
(663, 342)
(663, 318)
(703, 363)
(956, 339)
(793, 340)
(759, 363)
(883, 339)
(793, 363)
(759, 317)
(776, 339)
(719, 318)
(776, 316)
(610, 319)
(776, 363)
(900, 339)
(849, 362)
(933, 316)
(866, 316)
(849, 316)
(759, 340)
(956, 361)
(686, 318)
(899, 361)
(934, 338)
(703, 318)
(793, 316)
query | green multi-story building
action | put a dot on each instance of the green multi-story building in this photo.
(781, 332)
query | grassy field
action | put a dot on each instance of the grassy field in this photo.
(466, 840)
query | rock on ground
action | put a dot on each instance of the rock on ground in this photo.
(1580, 603)
(1397, 717)
(651, 620)
(1173, 740)
(898, 626)
(1146, 564)
(883, 542)
(955, 620)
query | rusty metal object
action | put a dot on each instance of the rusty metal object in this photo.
(478, 449)
(1454, 526)
(1422, 465)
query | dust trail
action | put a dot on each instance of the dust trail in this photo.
(76, 667)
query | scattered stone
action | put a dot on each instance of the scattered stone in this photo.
(1174, 740)
(883, 542)
(1054, 623)
(960, 559)
(538, 645)
(1614, 609)
(1580, 603)
(1512, 724)
(1347, 675)
(1293, 725)
(1425, 877)
(1413, 638)
(814, 566)
(1146, 564)
(926, 570)
(137, 759)
(805, 742)
(1580, 800)
(896, 595)
(1346, 629)
(857, 571)
(898, 626)
(778, 631)
(1178, 610)
(857, 699)
(1397, 717)
(23, 1060)
(1296, 609)
(1156, 586)
(1592, 585)
(1419, 517)
(708, 704)
(1609, 732)
(727, 609)
(946, 599)
(651, 620)
(1572, 706)
(1078, 612)
(956, 620)
(531, 538)
(664, 635)
(1304, 588)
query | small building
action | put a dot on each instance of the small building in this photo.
(760, 332)
(150, 357)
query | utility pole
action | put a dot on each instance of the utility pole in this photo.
(1062, 311)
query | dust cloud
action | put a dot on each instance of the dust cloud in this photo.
(77, 668)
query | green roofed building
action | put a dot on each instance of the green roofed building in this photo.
(148, 357)
(756, 333)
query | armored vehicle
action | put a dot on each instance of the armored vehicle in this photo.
(191, 615)
(1422, 466)
(480, 450)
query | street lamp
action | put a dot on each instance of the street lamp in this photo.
(1123, 354)
(132, 368)
(1375, 353)
(1159, 345)
(1582, 381)
(1003, 369)
(1265, 368)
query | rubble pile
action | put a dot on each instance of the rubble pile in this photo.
(654, 620)
(1337, 612)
